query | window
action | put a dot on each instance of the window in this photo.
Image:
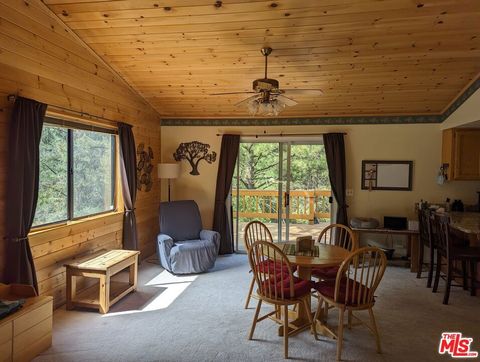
(77, 172)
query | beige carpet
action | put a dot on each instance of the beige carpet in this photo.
(201, 318)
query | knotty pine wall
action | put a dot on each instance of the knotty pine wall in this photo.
(43, 60)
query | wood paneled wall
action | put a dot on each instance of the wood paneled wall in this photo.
(42, 59)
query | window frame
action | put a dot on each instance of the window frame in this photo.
(71, 126)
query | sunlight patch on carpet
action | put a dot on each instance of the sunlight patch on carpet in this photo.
(166, 288)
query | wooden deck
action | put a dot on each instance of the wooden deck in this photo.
(295, 230)
(304, 204)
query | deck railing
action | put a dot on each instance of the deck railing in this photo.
(304, 204)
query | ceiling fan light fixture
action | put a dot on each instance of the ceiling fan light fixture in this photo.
(265, 108)
(270, 107)
(277, 106)
(253, 107)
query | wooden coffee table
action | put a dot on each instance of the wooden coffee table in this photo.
(102, 266)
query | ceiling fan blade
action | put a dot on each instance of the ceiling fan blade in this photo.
(245, 101)
(227, 93)
(310, 92)
(289, 102)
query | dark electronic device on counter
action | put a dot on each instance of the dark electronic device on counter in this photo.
(395, 222)
(457, 206)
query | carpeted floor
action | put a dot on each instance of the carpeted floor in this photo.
(201, 318)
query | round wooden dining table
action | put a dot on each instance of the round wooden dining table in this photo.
(328, 255)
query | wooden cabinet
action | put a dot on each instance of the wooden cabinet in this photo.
(461, 153)
(28, 331)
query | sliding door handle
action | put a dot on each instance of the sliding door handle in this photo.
(286, 199)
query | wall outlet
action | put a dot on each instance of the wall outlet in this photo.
(349, 192)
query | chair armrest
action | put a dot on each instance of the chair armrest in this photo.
(212, 236)
(165, 244)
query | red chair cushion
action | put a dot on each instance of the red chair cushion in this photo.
(327, 289)
(273, 267)
(329, 272)
(300, 287)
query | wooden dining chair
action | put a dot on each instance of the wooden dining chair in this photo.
(426, 240)
(339, 235)
(277, 286)
(254, 231)
(353, 289)
(453, 250)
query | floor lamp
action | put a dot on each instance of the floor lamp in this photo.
(168, 171)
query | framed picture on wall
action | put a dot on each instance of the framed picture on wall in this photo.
(387, 175)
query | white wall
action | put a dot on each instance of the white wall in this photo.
(420, 143)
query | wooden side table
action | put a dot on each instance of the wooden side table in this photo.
(102, 266)
(413, 242)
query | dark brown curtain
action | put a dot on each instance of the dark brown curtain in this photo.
(22, 187)
(128, 169)
(335, 152)
(222, 215)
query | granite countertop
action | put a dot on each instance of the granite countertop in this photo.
(468, 222)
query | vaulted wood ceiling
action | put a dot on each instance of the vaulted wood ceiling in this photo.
(369, 57)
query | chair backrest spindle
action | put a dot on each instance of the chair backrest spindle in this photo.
(440, 225)
(254, 231)
(359, 276)
(424, 227)
(272, 270)
(339, 235)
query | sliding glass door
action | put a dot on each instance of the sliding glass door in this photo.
(282, 184)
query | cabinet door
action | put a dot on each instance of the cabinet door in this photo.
(448, 136)
(467, 155)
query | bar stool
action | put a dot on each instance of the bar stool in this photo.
(426, 239)
(444, 241)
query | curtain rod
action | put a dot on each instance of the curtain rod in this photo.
(281, 134)
(11, 98)
(83, 114)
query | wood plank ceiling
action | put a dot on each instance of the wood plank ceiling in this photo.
(383, 57)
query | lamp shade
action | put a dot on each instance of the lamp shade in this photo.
(169, 170)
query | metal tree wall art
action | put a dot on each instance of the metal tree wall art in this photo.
(144, 167)
(194, 152)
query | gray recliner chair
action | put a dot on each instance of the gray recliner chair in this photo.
(183, 247)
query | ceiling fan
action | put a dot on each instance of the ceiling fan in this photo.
(268, 98)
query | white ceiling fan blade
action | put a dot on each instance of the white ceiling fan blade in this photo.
(289, 102)
(310, 92)
(245, 101)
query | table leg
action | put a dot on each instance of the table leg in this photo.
(302, 315)
(414, 252)
(302, 321)
(133, 272)
(302, 318)
(104, 297)
(71, 289)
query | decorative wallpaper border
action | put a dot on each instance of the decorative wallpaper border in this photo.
(461, 99)
(300, 121)
(325, 121)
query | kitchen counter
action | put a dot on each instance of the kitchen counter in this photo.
(467, 222)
